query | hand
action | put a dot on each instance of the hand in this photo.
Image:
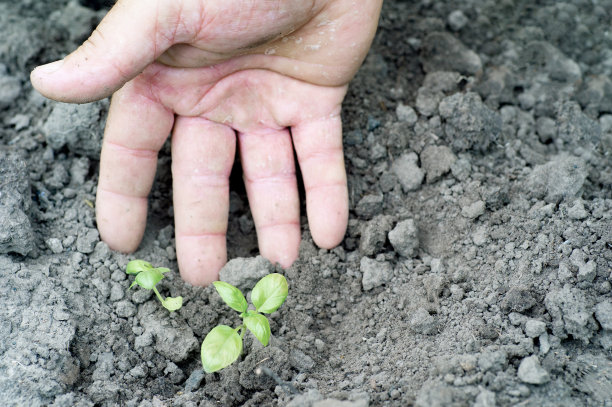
(270, 74)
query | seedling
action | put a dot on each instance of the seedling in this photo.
(223, 344)
(147, 277)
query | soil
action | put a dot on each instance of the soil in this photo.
(476, 270)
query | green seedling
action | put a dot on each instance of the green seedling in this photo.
(147, 277)
(223, 344)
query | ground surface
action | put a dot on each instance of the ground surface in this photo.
(476, 269)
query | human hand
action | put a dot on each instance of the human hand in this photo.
(271, 74)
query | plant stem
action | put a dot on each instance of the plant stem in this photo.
(161, 299)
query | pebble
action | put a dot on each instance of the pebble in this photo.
(470, 124)
(422, 322)
(193, 382)
(404, 238)
(473, 210)
(461, 169)
(374, 235)
(480, 236)
(10, 88)
(374, 273)
(534, 328)
(55, 245)
(369, 206)
(530, 371)
(406, 114)
(577, 211)
(436, 161)
(492, 360)
(301, 361)
(562, 177)
(408, 172)
(603, 314)
(245, 272)
(442, 51)
(485, 398)
(86, 240)
(457, 20)
(125, 309)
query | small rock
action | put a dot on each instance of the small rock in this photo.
(534, 328)
(517, 299)
(603, 314)
(485, 398)
(10, 88)
(461, 169)
(404, 238)
(301, 361)
(577, 211)
(374, 235)
(493, 361)
(125, 309)
(86, 240)
(469, 123)
(473, 210)
(245, 272)
(530, 371)
(369, 206)
(563, 177)
(375, 273)
(76, 126)
(117, 292)
(546, 129)
(441, 51)
(16, 235)
(341, 403)
(101, 252)
(436, 161)
(194, 380)
(406, 114)
(172, 342)
(587, 271)
(480, 236)
(408, 172)
(55, 245)
(422, 322)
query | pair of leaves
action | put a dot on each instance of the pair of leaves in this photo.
(223, 345)
(268, 294)
(147, 277)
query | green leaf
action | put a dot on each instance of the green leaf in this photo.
(137, 266)
(259, 326)
(231, 295)
(269, 293)
(162, 269)
(148, 278)
(173, 303)
(220, 348)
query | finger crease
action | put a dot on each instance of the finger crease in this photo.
(135, 152)
(121, 194)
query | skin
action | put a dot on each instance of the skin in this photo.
(261, 78)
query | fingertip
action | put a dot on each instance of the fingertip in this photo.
(200, 258)
(328, 216)
(280, 244)
(120, 220)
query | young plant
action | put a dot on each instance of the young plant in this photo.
(223, 344)
(147, 277)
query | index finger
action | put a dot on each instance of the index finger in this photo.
(136, 129)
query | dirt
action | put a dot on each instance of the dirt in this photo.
(475, 272)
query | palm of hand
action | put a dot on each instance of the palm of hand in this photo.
(282, 94)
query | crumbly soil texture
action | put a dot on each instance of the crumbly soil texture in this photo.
(475, 270)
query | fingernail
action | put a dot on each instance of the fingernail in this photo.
(50, 68)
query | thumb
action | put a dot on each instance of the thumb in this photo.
(127, 40)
